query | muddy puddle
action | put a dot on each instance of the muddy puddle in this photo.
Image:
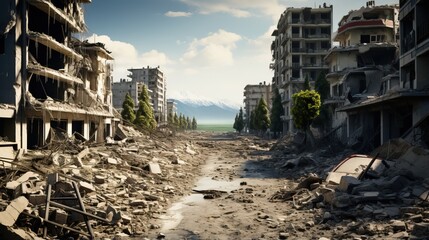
(188, 204)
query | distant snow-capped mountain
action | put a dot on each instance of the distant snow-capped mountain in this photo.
(206, 111)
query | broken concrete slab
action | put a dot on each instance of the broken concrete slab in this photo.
(27, 176)
(37, 199)
(347, 183)
(112, 161)
(154, 168)
(415, 160)
(9, 216)
(86, 187)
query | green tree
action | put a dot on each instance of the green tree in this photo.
(262, 116)
(176, 120)
(307, 83)
(277, 110)
(322, 86)
(194, 123)
(235, 122)
(144, 116)
(127, 112)
(252, 120)
(306, 107)
(170, 119)
(188, 123)
(240, 121)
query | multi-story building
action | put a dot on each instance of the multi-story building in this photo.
(171, 107)
(366, 52)
(302, 39)
(252, 95)
(154, 79)
(51, 83)
(393, 105)
(120, 90)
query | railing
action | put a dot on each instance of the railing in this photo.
(296, 65)
(316, 36)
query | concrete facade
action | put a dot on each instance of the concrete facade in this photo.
(252, 95)
(171, 107)
(366, 53)
(154, 79)
(120, 90)
(302, 39)
(51, 82)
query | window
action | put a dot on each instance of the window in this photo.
(380, 38)
(373, 38)
(364, 38)
(2, 44)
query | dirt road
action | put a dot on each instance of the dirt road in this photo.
(241, 169)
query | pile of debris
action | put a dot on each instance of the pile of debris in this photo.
(72, 190)
(370, 196)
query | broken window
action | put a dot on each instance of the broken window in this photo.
(364, 39)
(2, 44)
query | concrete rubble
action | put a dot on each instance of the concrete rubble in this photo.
(365, 197)
(121, 185)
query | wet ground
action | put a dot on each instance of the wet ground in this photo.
(248, 178)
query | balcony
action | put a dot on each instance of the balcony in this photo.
(365, 24)
(296, 65)
(285, 98)
(58, 14)
(50, 42)
(316, 36)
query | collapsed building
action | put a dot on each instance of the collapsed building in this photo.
(51, 82)
(364, 79)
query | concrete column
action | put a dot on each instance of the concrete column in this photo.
(384, 125)
(46, 126)
(69, 126)
(86, 128)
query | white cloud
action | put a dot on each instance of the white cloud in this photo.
(177, 14)
(238, 8)
(126, 56)
(213, 50)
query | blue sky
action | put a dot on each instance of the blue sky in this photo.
(208, 49)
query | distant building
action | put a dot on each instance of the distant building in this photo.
(154, 79)
(252, 95)
(171, 107)
(302, 40)
(120, 90)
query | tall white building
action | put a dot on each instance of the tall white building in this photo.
(302, 40)
(154, 79)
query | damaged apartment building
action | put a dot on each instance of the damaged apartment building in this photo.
(378, 90)
(302, 40)
(52, 83)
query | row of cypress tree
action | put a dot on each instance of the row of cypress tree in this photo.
(143, 117)
(182, 122)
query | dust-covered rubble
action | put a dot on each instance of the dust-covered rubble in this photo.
(120, 186)
(360, 197)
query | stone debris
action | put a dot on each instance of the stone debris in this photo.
(382, 199)
(9, 216)
(122, 184)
